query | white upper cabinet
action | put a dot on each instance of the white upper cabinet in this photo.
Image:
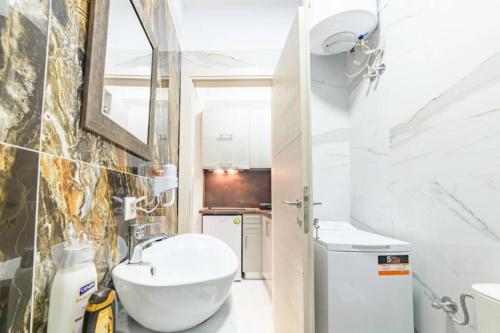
(225, 123)
(236, 139)
(226, 142)
(260, 139)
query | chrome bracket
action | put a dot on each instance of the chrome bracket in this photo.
(450, 307)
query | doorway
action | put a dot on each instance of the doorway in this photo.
(290, 227)
(229, 179)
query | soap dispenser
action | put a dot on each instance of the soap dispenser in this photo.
(75, 281)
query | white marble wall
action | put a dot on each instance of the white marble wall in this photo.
(425, 149)
(230, 62)
(234, 37)
(330, 129)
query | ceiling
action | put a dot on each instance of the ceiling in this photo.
(235, 24)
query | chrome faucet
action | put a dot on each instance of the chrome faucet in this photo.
(140, 237)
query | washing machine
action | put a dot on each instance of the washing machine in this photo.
(363, 281)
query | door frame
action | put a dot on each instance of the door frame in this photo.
(190, 173)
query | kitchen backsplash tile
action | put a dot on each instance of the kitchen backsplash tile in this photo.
(241, 189)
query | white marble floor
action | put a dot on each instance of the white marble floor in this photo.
(253, 307)
(247, 310)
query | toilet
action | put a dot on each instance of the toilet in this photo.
(487, 300)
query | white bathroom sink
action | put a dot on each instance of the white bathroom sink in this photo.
(181, 283)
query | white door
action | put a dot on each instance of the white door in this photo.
(293, 269)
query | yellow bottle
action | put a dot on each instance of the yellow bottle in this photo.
(100, 312)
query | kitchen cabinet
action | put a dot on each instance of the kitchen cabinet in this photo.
(236, 139)
(267, 261)
(260, 139)
(225, 139)
(252, 247)
(225, 154)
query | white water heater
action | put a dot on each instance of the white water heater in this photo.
(336, 25)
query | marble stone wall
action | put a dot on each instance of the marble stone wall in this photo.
(18, 179)
(230, 62)
(54, 174)
(330, 138)
(425, 147)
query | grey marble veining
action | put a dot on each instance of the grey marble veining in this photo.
(431, 295)
(486, 74)
(463, 212)
(226, 62)
(330, 138)
(370, 151)
(425, 150)
(337, 135)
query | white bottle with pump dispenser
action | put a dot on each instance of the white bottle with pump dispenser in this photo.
(75, 281)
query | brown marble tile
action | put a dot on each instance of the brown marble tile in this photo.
(87, 197)
(242, 189)
(18, 177)
(23, 39)
(83, 175)
(62, 134)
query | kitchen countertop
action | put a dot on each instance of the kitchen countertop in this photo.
(234, 211)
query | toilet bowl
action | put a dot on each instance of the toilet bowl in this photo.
(487, 300)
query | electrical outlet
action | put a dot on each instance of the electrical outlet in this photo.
(129, 208)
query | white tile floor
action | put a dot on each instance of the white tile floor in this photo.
(253, 307)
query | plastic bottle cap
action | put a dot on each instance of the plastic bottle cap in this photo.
(75, 254)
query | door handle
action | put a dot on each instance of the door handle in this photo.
(317, 203)
(296, 203)
(225, 165)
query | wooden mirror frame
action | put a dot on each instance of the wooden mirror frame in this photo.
(92, 117)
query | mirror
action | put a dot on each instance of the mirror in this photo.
(120, 77)
(127, 71)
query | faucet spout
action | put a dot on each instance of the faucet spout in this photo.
(140, 238)
(136, 257)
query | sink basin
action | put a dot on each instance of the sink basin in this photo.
(182, 282)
